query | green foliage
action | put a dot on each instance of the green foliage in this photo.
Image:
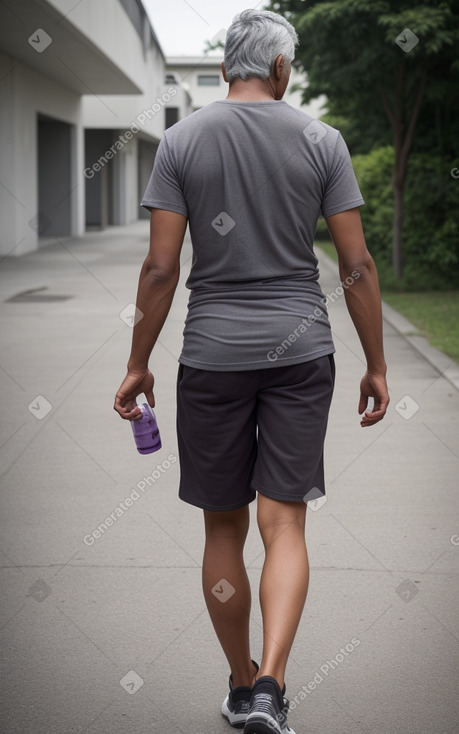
(374, 174)
(382, 94)
(431, 227)
(219, 44)
(349, 52)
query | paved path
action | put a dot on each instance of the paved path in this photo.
(107, 632)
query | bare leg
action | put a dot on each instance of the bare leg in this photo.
(224, 562)
(284, 580)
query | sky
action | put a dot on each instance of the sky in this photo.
(184, 26)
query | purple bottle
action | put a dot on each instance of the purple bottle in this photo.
(146, 432)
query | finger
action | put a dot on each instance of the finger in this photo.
(369, 419)
(380, 405)
(385, 403)
(127, 412)
(150, 398)
(363, 402)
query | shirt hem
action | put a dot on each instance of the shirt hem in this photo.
(257, 365)
(344, 207)
(157, 204)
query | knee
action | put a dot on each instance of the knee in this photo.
(274, 516)
(227, 525)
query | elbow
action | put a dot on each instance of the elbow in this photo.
(161, 273)
(357, 268)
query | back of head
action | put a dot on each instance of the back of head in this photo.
(253, 42)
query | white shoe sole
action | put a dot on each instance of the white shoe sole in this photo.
(236, 720)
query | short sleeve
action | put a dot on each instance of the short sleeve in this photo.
(163, 190)
(341, 189)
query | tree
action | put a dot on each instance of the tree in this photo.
(380, 63)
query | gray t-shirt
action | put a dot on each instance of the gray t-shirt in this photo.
(253, 178)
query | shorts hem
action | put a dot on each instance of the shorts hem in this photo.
(281, 496)
(216, 508)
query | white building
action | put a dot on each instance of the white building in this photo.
(202, 78)
(82, 109)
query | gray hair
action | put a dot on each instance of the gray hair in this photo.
(254, 41)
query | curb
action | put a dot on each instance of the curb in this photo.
(445, 366)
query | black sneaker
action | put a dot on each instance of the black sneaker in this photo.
(268, 709)
(235, 707)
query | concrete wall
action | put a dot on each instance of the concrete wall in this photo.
(96, 71)
(145, 111)
(181, 101)
(139, 117)
(105, 24)
(24, 95)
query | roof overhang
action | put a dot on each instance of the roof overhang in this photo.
(71, 59)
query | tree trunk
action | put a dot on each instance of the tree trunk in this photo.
(402, 145)
(397, 243)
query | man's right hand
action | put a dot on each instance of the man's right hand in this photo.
(373, 386)
(135, 383)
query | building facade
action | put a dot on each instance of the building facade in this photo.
(82, 109)
(202, 78)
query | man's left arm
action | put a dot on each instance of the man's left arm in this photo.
(157, 283)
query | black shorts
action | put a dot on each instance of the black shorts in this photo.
(256, 430)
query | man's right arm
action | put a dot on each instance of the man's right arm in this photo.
(363, 301)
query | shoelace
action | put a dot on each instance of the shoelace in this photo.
(263, 702)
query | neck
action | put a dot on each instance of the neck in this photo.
(252, 90)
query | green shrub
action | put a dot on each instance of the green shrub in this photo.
(431, 228)
(374, 174)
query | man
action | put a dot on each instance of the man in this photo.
(251, 175)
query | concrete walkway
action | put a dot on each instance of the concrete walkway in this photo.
(105, 631)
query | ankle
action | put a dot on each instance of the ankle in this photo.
(278, 675)
(245, 677)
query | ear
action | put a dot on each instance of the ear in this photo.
(222, 67)
(278, 67)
